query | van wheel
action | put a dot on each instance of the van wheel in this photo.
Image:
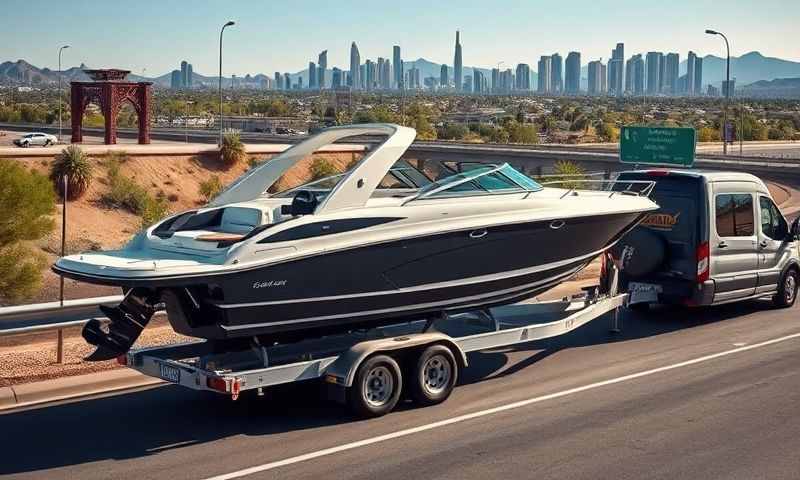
(434, 376)
(787, 291)
(376, 387)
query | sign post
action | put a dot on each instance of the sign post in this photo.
(670, 146)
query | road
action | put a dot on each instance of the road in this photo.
(678, 394)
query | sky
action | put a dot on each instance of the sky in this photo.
(280, 35)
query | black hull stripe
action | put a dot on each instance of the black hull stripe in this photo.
(454, 302)
(428, 286)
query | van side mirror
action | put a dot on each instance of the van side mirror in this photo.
(794, 231)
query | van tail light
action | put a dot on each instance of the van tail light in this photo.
(703, 262)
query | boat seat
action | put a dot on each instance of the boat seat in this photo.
(219, 237)
(239, 220)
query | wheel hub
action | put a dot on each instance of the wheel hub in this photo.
(378, 386)
(437, 373)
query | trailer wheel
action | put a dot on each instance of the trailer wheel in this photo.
(376, 387)
(435, 375)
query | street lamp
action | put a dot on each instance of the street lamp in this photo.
(727, 91)
(59, 90)
(230, 23)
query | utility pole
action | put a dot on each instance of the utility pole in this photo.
(221, 123)
(59, 91)
(727, 91)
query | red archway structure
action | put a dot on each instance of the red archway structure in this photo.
(109, 90)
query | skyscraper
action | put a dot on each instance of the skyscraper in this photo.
(398, 67)
(556, 73)
(671, 73)
(523, 77)
(573, 73)
(189, 76)
(336, 78)
(495, 80)
(616, 71)
(457, 66)
(322, 65)
(278, 81)
(184, 73)
(287, 81)
(545, 74)
(603, 78)
(355, 67)
(653, 68)
(634, 75)
(698, 76)
(594, 73)
(175, 80)
(444, 78)
(690, 61)
(477, 81)
(312, 75)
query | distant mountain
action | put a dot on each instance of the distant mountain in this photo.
(749, 68)
(778, 88)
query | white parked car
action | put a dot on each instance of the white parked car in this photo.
(36, 138)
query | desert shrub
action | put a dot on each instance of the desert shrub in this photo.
(453, 131)
(119, 156)
(522, 133)
(30, 196)
(232, 149)
(707, 134)
(321, 168)
(123, 192)
(568, 174)
(210, 188)
(74, 164)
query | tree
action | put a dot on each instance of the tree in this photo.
(30, 196)
(232, 149)
(707, 134)
(522, 132)
(453, 131)
(73, 164)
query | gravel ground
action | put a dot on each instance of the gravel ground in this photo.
(36, 361)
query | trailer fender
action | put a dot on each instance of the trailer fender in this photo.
(342, 371)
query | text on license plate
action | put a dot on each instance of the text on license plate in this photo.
(169, 373)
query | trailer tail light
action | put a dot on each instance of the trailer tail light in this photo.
(658, 173)
(123, 359)
(703, 262)
(218, 384)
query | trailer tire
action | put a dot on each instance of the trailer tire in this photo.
(376, 387)
(434, 375)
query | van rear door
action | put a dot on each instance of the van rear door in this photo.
(676, 222)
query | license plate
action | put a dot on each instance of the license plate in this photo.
(169, 373)
(643, 292)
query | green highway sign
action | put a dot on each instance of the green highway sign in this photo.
(670, 146)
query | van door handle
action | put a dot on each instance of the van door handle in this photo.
(722, 245)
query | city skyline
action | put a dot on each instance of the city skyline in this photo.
(583, 27)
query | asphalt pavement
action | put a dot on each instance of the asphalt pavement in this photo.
(678, 394)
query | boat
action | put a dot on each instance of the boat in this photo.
(381, 243)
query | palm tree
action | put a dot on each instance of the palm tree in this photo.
(73, 164)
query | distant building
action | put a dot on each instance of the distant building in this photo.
(287, 85)
(386, 84)
(634, 75)
(556, 73)
(322, 66)
(184, 74)
(545, 75)
(467, 87)
(594, 73)
(278, 82)
(355, 67)
(523, 77)
(690, 62)
(671, 73)
(712, 91)
(312, 75)
(616, 70)
(336, 78)
(457, 65)
(653, 68)
(698, 76)
(603, 78)
(189, 76)
(728, 89)
(372, 75)
(477, 81)
(176, 80)
(572, 84)
(444, 79)
(397, 64)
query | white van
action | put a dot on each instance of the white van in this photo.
(718, 237)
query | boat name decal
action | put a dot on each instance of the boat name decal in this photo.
(661, 221)
(270, 284)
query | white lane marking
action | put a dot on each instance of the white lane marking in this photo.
(490, 411)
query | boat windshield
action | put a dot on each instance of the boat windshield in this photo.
(401, 176)
(480, 180)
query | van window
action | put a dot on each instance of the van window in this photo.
(734, 213)
(773, 224)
